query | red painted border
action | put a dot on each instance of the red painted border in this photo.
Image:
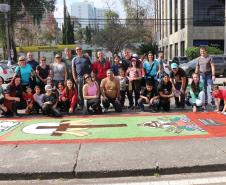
(213, 131)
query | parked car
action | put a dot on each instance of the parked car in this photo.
(219, 62)
(179, 60)
(6, 73)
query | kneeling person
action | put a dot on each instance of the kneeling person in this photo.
(148, 96)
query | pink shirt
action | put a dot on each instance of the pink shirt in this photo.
(92, 90)
(134, 73)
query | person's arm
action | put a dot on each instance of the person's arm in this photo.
(74, 72)
(118, 89)
(183, 84)
(212, 69)
(217, 104)
(66, 73)
(197, 66)
(74, 101)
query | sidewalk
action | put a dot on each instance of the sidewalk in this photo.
(112, 159)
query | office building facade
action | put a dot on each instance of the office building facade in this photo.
(87, 14)
(180, 24)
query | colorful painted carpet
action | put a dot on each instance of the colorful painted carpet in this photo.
(112, 128)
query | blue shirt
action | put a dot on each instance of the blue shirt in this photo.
(25, 73)
(82, 65)
(151, 72)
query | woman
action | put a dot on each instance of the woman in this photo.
(91, 94)
(2, 107)
(14, 97)
(42, 72)
(151, 68)
(197, 93)
(69, 97)
(24, 71)
(59, 70)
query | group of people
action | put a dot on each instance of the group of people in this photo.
(75, 83)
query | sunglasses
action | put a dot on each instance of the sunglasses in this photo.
(21, 60)
(79, 49)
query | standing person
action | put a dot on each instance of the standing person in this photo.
(42, 72)
(91, 93)
(151, 68)
(206, 69)
(179, 81)
(59, 70)
(124, 82)
(81, 65)
(165, 92)
(100, 67)
(134, 76)
(117, 65)
(14, 97)
(110, 90)
(24, 71)
(68, 61)
(196, 90)
(126, 60)
(31, 61)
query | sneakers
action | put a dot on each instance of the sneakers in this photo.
(105, 109)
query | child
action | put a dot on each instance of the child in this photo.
(165, 92)
(28, 97)
(117, 65)
(59, 91)
(50, 103)
(38, 99)
(148, 96)
(123, 80)
(219, 98)
(196, 90)
(134, 74)
(69, 97)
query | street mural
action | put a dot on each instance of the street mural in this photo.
(112, 128)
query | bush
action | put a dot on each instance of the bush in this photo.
(193, 52)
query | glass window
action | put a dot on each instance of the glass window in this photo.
(171, 17)
(176, 16)
(182, 17)
(182, 48)
(208, 12)
(218, 59)
(176, 50)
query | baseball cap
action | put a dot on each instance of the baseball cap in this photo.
(174, 65)
(48, 88)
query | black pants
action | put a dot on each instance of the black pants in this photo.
(164, 103)
(48, 109)
(116, 104)
(179, 102)
(95, 105)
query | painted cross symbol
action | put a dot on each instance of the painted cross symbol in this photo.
(64, 126)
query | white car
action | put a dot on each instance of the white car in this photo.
(6, 73)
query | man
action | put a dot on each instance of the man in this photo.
(68, 61)
(80, 65)
(110, 90)
(205, 67)
(126, 60)
(31, 61)
(179, 82)
(100, 67)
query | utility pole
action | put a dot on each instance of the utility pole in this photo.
(5, 8)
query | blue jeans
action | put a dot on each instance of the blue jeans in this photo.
(208, 83)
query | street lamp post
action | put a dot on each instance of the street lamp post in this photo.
(5, 8)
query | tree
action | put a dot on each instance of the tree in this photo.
(193, 52)
(21, 8)
(148, 47)
(114, 36)
(67, 28)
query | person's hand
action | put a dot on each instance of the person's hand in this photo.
(17, 99)
(151, 101)
(63, 98)
(147, 100)
(213, 77)
(70, 110)
(216, 110)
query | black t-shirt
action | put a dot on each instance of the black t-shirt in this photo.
(166, 89)
(179, 75)
(14, 91)
(43, 72)
(33, 64)
(148, 94)
(51, 98)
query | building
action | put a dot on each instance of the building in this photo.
(180, 24)
(87, 14)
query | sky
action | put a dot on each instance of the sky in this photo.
(115, 5)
